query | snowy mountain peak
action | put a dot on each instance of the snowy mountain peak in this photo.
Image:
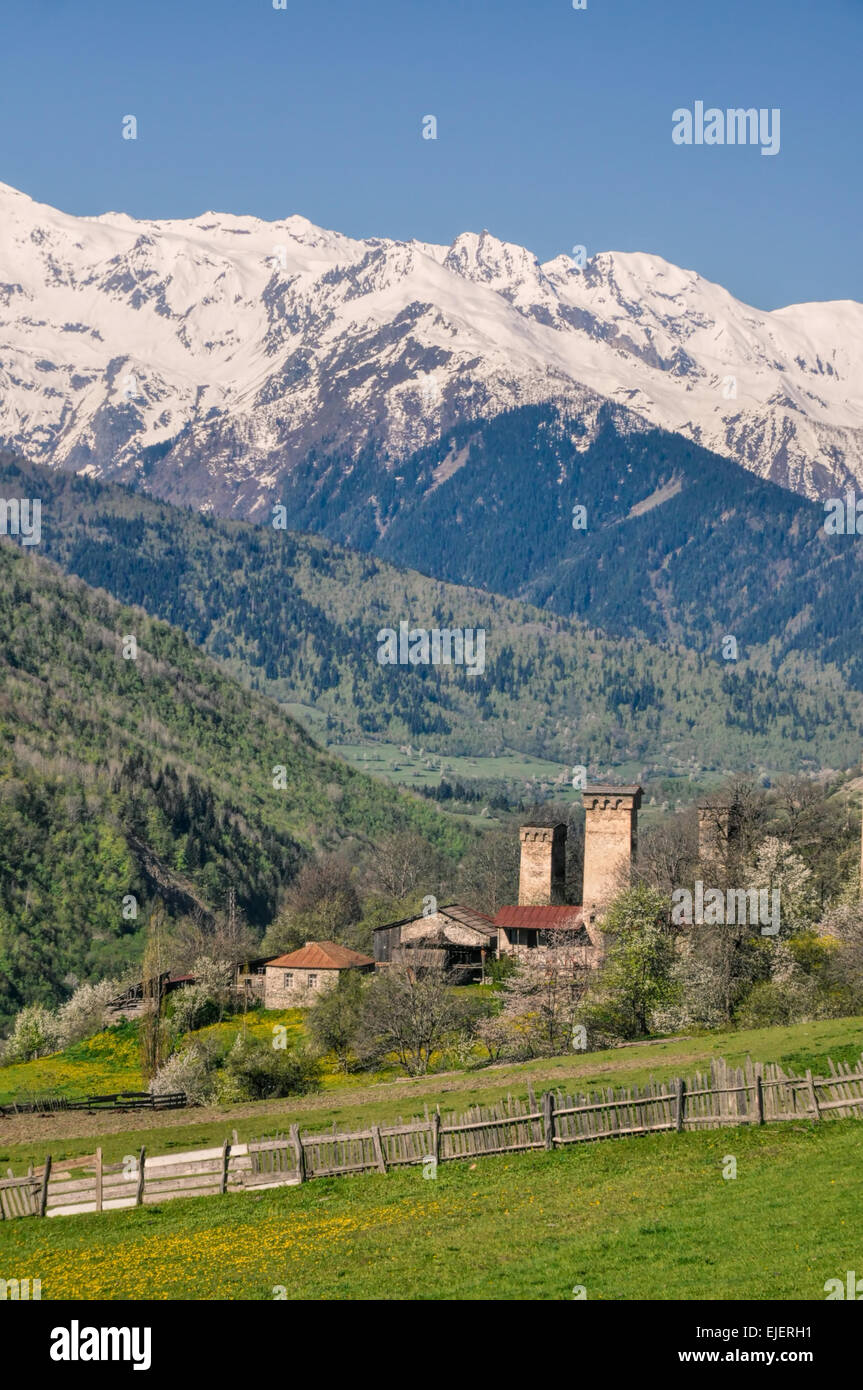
(485, 259)
(7, 191)
(205, 356)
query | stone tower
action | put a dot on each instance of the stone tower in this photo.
(542, 874)
(712, 830)
(718, 829)
(610, 839)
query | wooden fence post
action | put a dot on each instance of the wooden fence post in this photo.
(99, 1179)
(681, 1103)
(226, 1159)
(812, 1096)
(298, 1148)
(379, 1149)
(548, 1118)
(435, 1137)
(139, 1195)
(43, 1199)
(759, 1098)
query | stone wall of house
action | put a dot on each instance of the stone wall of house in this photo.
(586, 946)
(305, 986)
(437, 926)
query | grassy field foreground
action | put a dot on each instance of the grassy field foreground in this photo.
(634, 1218)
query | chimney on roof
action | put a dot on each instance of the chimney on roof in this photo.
(610, 839)
(542, 875)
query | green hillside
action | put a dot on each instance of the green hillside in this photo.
(297, 616)
(110, 1061)
(151, 777)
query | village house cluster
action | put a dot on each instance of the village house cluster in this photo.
(461, 940)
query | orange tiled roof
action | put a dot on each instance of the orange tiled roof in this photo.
(322, 955)
(543, 917)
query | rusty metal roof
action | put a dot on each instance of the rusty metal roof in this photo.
(321, 955)
(548, 918)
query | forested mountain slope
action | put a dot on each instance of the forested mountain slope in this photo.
(151, 777)
(678, 544)
(298, 616)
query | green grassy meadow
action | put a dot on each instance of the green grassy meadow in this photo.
(637, 1218)
(101, 1065)
(389, 762)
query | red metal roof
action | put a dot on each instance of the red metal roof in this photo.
(566, 917)
(322, 955)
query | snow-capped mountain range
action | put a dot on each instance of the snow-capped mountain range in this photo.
(205, 356)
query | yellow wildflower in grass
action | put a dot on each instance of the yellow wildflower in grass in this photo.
(222, 1260)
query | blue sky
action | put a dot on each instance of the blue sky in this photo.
(554, 125)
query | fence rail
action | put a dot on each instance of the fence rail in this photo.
(121, 1100)
(757, 1093)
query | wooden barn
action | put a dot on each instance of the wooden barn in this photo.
(456, 939)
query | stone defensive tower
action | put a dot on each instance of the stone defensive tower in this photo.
(712, 830)
(610, 839)
(542, 875)
(718, 829)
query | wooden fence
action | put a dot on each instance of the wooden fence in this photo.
(757, 1093)
(121, 1100)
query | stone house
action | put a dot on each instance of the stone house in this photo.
(299, 976)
